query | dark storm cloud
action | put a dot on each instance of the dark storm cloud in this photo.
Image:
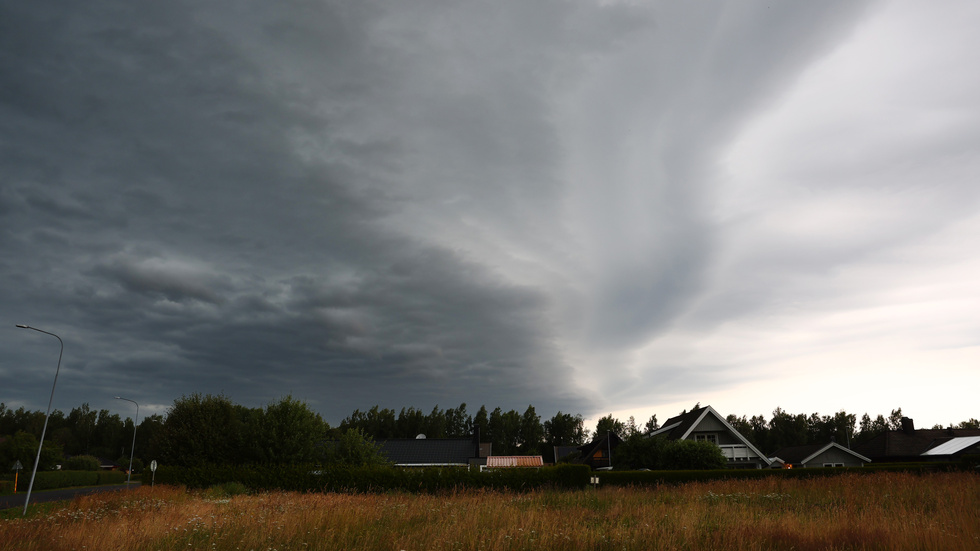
(178, 205)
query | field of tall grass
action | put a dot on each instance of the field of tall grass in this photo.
(878, 511)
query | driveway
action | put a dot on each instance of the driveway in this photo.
(17, 500)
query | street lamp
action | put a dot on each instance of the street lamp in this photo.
(133, 447)
(47, 415)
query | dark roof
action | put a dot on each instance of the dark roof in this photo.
(683, 423)
(565, 451)
(429, 451)
(897, 443)
(607, 442)
(796, 454)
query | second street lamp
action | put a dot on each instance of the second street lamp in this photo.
(133, 447)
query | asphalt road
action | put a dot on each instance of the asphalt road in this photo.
(17, 500)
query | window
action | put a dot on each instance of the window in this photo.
(713, 438)
(833, 464)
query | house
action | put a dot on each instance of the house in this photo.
(818, 455)
(704, 424)
(598, 454)
(909, 444)
(513, 461)
(435, 452)
(108, 465)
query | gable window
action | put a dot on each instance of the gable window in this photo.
(713, 438)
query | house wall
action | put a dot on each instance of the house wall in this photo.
(710, 424)
(834, 455)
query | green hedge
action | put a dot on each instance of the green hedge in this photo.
(653, 478)
(6, 487)
(49, 480)
(308, 478)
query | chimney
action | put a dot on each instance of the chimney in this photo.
(907, 426)
(476, 440)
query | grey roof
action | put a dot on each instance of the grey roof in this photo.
(804, 454)
(430, 451)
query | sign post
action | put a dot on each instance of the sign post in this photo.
(153, 469)
(16, 468)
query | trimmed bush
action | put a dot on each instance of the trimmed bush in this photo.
(49, 480)
(654, 478)
(308, 478)
(82, 463)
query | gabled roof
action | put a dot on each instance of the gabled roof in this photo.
(429, 451)
(681, 426)
(515, 461)
(805, 454)
(608, 440)
(565, 451)
(606, 443)
(898, 443)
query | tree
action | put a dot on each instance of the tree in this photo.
(787, 430)
(200, 430)
(81, 422)
(640, 452)
(504, 431)
(148, 436)
(435, 423)
(895, 419)
(658, 453)
(530, 432)
(84, 463)
(22, 446)
(741, 424)
(970, 424)
(688, 454)
(354, 449)
(458, 423)
(288, 432)
(565, 429)
(410, 423)
(870, 428)
(608, 424)
(481, 422)
(651, 425)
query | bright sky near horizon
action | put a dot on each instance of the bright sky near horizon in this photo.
(590, 207)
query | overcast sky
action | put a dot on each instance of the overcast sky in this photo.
(592, 207)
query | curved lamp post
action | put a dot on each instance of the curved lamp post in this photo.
(133, 447)
(47, 415)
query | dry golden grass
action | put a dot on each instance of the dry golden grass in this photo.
(879, 511)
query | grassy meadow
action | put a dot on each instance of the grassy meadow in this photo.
(853, 511)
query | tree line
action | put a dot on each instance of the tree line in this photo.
(212, 429)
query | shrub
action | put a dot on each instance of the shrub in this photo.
(658, 453)
(49, 480)
(82, 463)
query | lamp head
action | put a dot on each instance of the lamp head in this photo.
(22, 326)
